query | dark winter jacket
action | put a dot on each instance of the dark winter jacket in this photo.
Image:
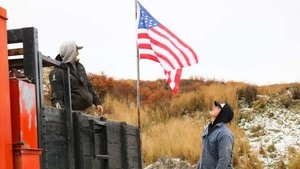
(83, 94)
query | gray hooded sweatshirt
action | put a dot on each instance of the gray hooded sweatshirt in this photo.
(67, 51)
(82, 92)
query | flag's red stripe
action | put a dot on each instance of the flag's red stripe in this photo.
(165, 46)
(161, 56)
(145, 46)
(187, 59)
(168, 78)
(180, 41)
(150, 57)
(177, 80)
(143, 35)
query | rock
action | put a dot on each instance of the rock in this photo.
(170, 163)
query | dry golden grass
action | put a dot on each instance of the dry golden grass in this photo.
(127, 112)
(120, 111)
(178, 138)
(202, 99)
(268, 89)
(294, 162)
(166, 132)
(294, 159)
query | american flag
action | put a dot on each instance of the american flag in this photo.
(157, 43)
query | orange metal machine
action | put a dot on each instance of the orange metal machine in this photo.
(5, 115)
(36, 136)
(24, 129)
(18, 115)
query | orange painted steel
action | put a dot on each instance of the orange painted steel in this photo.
(24, 129)
(23, 114)
(6, 161)
(26, 158)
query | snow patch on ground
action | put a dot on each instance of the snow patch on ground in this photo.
(273, 132)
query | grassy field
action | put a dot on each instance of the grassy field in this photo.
(172, 124)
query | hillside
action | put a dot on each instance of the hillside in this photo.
(273, 126)
(266, 122)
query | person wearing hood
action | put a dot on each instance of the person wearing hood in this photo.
(83, 95)
(217, 139)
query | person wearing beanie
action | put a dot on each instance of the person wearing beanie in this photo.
(217, 139)
(83, 95)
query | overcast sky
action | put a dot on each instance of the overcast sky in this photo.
(253, 41)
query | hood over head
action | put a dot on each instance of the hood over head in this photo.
(225, 115)
(67, 51)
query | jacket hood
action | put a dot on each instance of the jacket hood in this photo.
(225, 115)
(67, 51)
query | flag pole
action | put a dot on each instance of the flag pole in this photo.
(138, 84)
(138, 75)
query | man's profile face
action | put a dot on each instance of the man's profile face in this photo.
(215, 111)
(76, 55)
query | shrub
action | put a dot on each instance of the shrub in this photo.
(286, 99)
(280, 165)
(124, 90)
(101, 83)
(256, 128)
(271, 148)
(247, 93)
(261, 103)
(262, 151)
(187, 103)
(295, 92)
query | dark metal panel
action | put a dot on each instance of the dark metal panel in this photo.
(87, 162)
(52, 114)
(115, 156)
(57, 162)
(15, 63)
(55, 147)
(132, 140)
(77, 139)
(133, 148)
(54, 140)
(14, 52)
(47, 61)
(69, 119)
(91, 142)
(53, 160)
(114, 131)
(14, 36)
(131, 130)
(30, 48)
(139, 153)
(55, 131)
(123, 135)
(122, 152)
